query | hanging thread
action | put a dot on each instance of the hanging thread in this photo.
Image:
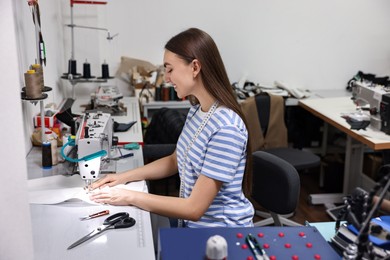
(33, 84)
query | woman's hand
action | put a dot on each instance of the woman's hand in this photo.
(112, 196)
(108, 181)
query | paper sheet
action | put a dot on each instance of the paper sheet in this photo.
(59, 188)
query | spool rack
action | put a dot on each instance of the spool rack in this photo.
(72, 76)
(41, 58)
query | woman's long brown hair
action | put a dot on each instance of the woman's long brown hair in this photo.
(196, 44)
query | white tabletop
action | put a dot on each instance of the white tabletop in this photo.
(57, 226)
(331, 109)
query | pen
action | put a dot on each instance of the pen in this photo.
(256, 248)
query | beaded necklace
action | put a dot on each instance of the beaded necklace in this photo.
(183, 165)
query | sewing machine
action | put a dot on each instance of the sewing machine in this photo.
(107, 99)
(94, 140)
(385, 113)
(376, 99)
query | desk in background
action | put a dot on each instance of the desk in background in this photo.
(329, 110)
(151, 106)
(148, 108)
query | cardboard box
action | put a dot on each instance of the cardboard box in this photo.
(371, 165)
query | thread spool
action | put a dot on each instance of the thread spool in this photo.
(33, 84)
(105, 72)
(172, 93)
(39, 70)
(87, 70)
(46, 155)
(216, 248)
(165, 93)
(157, 94)
(72, 67)
(52, 138)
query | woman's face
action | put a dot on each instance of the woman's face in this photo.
(179, 74)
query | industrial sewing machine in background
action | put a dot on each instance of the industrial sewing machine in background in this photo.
(93, 143)
(373, 103)
(108, 100)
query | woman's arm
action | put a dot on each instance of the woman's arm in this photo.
(161, 168)
(158, 169)
(191, 208)
(385, 206)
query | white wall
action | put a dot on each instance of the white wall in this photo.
(51, 24)
(311, 44)
(15, 238)
(308, 43)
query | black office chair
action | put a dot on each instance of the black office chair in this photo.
(265, 115)
(160, 140)
(152, 152)
(268, 132)
(276, 187)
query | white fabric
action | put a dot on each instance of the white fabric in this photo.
(57, 189)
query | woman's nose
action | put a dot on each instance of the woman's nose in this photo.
(167, 78)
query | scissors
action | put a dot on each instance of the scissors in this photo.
(256, 248)
(118, 220)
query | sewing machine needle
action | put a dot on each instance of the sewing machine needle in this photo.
(88, 185)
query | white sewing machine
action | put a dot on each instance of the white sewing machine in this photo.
(108, 99)
(106, 96)
(372, 97)
(94, 140)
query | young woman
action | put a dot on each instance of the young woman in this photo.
(211, 153)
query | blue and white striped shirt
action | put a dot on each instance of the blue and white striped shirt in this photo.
(219, 152)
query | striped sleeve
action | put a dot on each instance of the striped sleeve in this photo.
(224, 153)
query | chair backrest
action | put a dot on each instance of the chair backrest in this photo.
(266, 122)
(153, 152)
(165, 127)
(276, 183)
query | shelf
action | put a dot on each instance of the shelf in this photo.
(24, 97)
(155, 105)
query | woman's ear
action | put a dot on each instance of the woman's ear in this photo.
(196, 67)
